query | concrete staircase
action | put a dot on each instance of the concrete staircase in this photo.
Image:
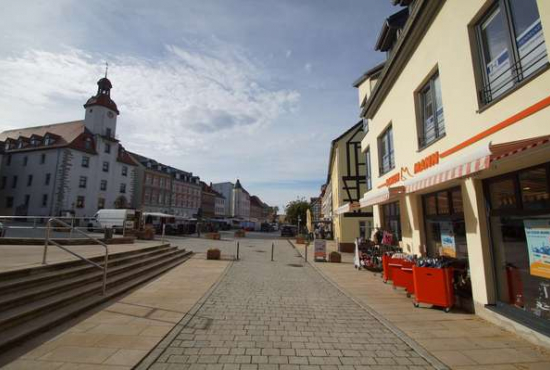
(36, 299)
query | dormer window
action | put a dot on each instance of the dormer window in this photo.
(48, 140)
(88, 143)
(20, 144)
(7, 146)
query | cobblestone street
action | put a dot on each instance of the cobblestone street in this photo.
(282, 315)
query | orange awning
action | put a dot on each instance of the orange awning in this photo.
(504, 150)
(378, 196)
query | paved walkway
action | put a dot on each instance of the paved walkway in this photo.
(281, 315)
(461, 341)
(119, 334)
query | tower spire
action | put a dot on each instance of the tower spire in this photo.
(106, 68)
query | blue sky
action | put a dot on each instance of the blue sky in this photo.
(254, 89)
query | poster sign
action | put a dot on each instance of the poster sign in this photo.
(537, 233)
(320, 249)
(448, 243)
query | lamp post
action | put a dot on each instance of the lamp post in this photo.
(299, 220)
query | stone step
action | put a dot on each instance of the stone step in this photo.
(25, 278)
(62, 282)
(20, 314)
(52, 318)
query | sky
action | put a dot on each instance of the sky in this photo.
(226, 89)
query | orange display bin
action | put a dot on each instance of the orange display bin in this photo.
(403, 277)
(434, 286)
(390, 265)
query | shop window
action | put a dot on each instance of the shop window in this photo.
(100, 203)
(511, 44)
(430, 205)
(503, 194)
(386, 152)
(534, 189)
(520, 237)
(443, 203)
(432, 125)
(456, 198)
(392, 219)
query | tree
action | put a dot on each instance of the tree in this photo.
(297, 208)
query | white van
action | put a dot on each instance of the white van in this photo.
(115, 218)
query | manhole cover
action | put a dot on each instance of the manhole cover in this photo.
(294, 265)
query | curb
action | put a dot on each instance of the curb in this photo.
(399, 333)
(157, 351)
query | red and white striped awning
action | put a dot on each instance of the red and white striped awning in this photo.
(348, 207)
(458, 167)
(504, 150)
(378, 196)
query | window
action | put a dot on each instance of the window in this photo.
(103, 185)
(108, 132)
(29, 180)
(105, 166)
(80, 201)
(82, 182)
(85, 161)
(4, 181)
(431, 110)
(511, 46)
(14, 182)
(47, 180)
(9, 202)
(368, 170)
(88, 143)
(27, 200)
(123, 188)
(107, 148)
(162, 182)
(42, 158)
(147, 198)
(8, 160)
(25, 160)
(44, 200)
(124, 171)
(385, 149)
(100, 203)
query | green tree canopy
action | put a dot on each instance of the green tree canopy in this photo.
(297, 208)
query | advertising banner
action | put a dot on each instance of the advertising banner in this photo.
(537, 233)
(320, 249)
(448, 244)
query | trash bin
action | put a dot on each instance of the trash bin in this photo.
(108, 233)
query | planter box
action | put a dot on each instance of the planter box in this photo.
(335, 257)
(300, 241)
(213, 254)
(213, 236)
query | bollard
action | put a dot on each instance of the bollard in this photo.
(306, 253)
(163, 230)
(272, 248)
(237, 250)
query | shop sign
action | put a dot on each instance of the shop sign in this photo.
(448, 244)
(393, 179)
(428, 162)
(537, 233)
(320, 249)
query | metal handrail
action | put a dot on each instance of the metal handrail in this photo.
(47, 242)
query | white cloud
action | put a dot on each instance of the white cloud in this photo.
(181, 100)
(308, 67)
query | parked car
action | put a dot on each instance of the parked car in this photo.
(288, 230)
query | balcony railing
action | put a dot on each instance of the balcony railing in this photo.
(526, 66)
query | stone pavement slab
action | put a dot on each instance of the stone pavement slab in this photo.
(121, 333)
(282, 315)
(459, 340)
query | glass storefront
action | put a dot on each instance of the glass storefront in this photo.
(392, 219)
(446, 236)
(520, 233)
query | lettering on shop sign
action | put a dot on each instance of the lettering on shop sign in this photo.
(425, 163)
(393, 179)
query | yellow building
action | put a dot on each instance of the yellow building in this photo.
(458, 122)
(346, 182)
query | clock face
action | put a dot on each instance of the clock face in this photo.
(110, 114)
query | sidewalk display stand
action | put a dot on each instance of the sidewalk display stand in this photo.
(388, 265)
(403, 276)
(433, 286)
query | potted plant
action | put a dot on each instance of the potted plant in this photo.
(335, 257)
(213, 254)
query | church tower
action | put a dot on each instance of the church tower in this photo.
(101, 110)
